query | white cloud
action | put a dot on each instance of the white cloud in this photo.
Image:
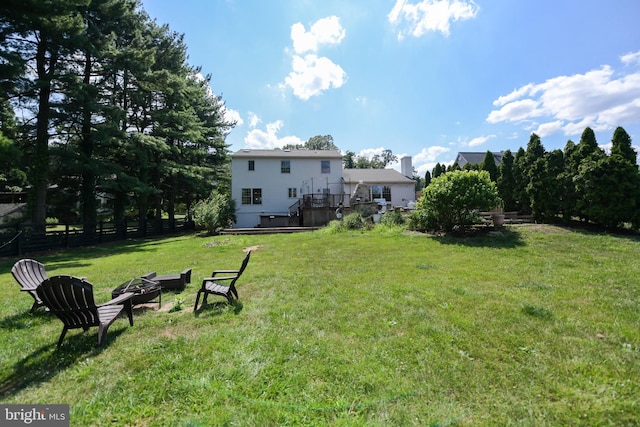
(479, 140)
(631, 58)
(515, 111)
(425, 160)
(233, 116)
(370, 152)
(602, 99)
(312, 75)
(546, 129)
(430, 154)
(324, 31)
(518, 93)
(254, 119)
(429, 15)
(269, 139)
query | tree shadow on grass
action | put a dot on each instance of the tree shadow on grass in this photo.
(489, 237)
(48, 361)
(25, 320)
(217, 308)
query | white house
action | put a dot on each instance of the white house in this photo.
(388, 184)
(267, 184)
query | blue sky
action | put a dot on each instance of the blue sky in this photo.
(424, 78)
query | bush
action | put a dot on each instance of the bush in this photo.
(453, 200)
(353, 221)
(215, 213)
(392, 218)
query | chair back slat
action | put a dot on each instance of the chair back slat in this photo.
(29, 273)
(71, 299)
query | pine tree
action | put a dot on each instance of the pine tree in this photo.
(506, 182)
(489, 164)
(621, 145)
(42, 38)
(520, 179)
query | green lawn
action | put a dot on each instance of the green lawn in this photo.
(537, 326)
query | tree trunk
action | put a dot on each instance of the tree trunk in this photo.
(88, 185)
(40, 169)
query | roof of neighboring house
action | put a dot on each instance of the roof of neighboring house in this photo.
(283, 154)
(476, 158)
(9, 208)
(375, 176)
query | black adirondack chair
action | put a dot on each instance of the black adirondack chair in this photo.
(71, 300)
(29, 274)
(214, 284)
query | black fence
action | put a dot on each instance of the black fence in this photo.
(20, 239)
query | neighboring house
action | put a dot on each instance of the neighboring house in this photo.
(268, 185)
(475, 158)
(388, 184)
(278, 188)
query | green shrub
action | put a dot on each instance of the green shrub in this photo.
(453, 200)
(353, 221)
(392, 218)
(215, 213)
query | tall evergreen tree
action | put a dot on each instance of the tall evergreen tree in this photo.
(437, 170)
(585, 154)
(489, 164)
(506, 182)
(621, 145)
(609, 188)
(42, 36)
(566, 181)
(520, 182)
(543, 189)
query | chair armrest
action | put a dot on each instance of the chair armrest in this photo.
(225, 272)
(217, 279)
(149, 276)
(119, 300)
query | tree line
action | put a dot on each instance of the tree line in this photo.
(96, 99)
(581, 182)
(349, 160)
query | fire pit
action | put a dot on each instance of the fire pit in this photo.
(144, 290)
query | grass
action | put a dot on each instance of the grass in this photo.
(536, 326)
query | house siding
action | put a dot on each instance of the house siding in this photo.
(305, 176)
(402, 188)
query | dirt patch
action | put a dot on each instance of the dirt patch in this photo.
(251, 248)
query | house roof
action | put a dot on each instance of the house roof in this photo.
(476, 158)
(284, 154)
(375, 176)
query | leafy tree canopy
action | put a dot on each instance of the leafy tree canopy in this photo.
(377, 161)
(452, 200)
(318, 142)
